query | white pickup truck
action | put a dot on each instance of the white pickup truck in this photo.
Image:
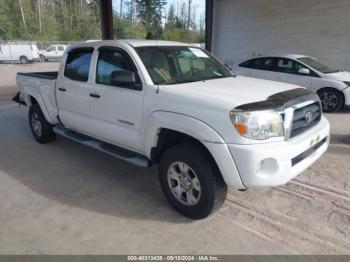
(149, 102)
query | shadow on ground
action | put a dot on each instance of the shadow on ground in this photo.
(78, 176)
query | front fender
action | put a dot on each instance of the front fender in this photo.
(199, 130)
(180, 123)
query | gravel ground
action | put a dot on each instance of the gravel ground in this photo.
(65, 198)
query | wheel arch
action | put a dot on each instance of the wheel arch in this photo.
(166, 129)
(169, 137)
(331, 87)
(340, 91)
(24, 56)
(32, 96)
(162, 121)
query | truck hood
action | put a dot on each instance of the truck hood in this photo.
(233, 91)
(211, 101)
(340, 76)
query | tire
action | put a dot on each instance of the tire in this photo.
(332, 100)
(41, 129)
(42, 58)
(197, 201)
(23, 59)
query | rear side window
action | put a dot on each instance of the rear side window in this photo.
(60, 48)
(78, 64)
(265, 63)
(245, 64)
(262, 63)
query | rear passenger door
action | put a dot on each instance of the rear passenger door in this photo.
(73, 90)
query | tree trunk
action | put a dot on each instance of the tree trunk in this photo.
(39, 14)
(22, 14)
(121, 9)
(189, 14)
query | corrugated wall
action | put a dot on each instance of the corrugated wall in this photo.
(320, 28)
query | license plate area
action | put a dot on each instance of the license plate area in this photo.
(308, 152)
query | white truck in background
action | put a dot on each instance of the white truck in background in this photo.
(150, 102)
(52, 53)
(18, 52)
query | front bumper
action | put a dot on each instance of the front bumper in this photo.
(274, 164)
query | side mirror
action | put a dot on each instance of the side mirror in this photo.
(124, 78)
(304, 71)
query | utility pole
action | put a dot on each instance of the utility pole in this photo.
(189, 14)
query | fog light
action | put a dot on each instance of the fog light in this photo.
(267, 167)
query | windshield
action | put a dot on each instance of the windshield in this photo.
(180, 64)
(317, 65)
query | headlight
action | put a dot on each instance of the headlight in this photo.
(259, 125)
(347, 83)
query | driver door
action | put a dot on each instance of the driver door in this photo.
(117, 112)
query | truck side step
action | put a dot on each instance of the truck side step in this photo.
(118, 152)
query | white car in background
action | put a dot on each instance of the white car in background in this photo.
(18, 51)
(331, 85)
(53, 53)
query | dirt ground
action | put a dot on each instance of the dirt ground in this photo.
(64, 198)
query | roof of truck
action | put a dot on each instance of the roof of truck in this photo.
(132, 42)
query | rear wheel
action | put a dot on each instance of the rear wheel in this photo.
(42, 58)
(191, 181)
(41, 129)
(23, 59)
(332, 100)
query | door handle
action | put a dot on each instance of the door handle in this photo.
(62, 89)
(95, 95)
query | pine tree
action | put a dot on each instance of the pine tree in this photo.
(150, 14)
(171, 19)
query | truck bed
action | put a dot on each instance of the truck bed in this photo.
(41, 87)
(45, 75)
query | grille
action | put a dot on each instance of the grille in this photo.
(305, 118)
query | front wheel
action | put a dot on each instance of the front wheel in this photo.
(41, 129)
(332, 100)
(23, 60)
(191, 181)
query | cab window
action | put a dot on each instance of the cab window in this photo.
(110, 60)
(78, 64)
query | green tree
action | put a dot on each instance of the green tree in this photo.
(171, 19)
(150, 14)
